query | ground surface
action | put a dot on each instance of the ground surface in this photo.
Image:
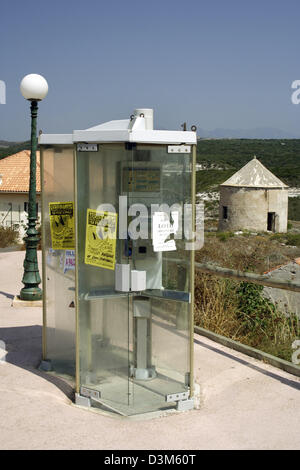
(245, 404)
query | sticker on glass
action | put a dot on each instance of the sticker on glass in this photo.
(62, 225)
(100, 241)
(69, 264)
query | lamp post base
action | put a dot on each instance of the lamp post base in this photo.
(31, 293)
(19, 303)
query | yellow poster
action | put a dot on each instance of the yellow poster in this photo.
(100, 241)
(62, 225)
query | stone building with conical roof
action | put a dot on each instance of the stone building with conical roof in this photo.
(253, 199)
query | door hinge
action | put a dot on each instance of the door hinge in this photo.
(89, 393)
(177, 396)
(179, 149)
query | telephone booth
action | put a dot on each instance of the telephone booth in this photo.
(118, 268)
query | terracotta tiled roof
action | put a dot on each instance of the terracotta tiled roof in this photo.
(14, 173)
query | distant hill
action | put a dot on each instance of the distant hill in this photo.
(5, 143)
(9, 148)
(281, 156)
(234, 153)
(221, 158)
(255, 133)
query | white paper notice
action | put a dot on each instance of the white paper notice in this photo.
(162, 228)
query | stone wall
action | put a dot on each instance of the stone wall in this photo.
(286, 301)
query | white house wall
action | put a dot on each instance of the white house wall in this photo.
(16, 216)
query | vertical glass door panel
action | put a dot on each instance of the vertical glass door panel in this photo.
(134, 346)
(59, 278)
(104, 325)
(159, 182)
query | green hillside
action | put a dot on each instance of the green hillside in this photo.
(282, 157)
(235, 153)
(13, 148)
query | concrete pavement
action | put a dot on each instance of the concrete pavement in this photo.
(245, 404)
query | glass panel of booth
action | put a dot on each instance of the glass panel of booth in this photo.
(103, 313)
(134, 331)
(58, 264)
(160, 250)
(134, 344)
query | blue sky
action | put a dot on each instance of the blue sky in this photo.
(211, 63)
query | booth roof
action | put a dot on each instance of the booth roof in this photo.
(121, 131)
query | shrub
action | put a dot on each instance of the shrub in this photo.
(216, 305)
(280, 237)
(254, 309)
(293, 239)
(224, 236)
(241, 312)
(294, 208)
(8, 236)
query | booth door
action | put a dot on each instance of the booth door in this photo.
(104, 322)
(133, 347)
(157, 183)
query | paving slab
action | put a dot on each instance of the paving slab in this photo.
(244, 403)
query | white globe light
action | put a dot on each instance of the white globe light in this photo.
(34, 87)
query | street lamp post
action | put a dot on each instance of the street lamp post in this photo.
(34, 88)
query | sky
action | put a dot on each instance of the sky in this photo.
(215, 64)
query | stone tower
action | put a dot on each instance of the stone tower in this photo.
(253, 199)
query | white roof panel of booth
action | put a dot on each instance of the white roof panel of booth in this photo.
(138, 129)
